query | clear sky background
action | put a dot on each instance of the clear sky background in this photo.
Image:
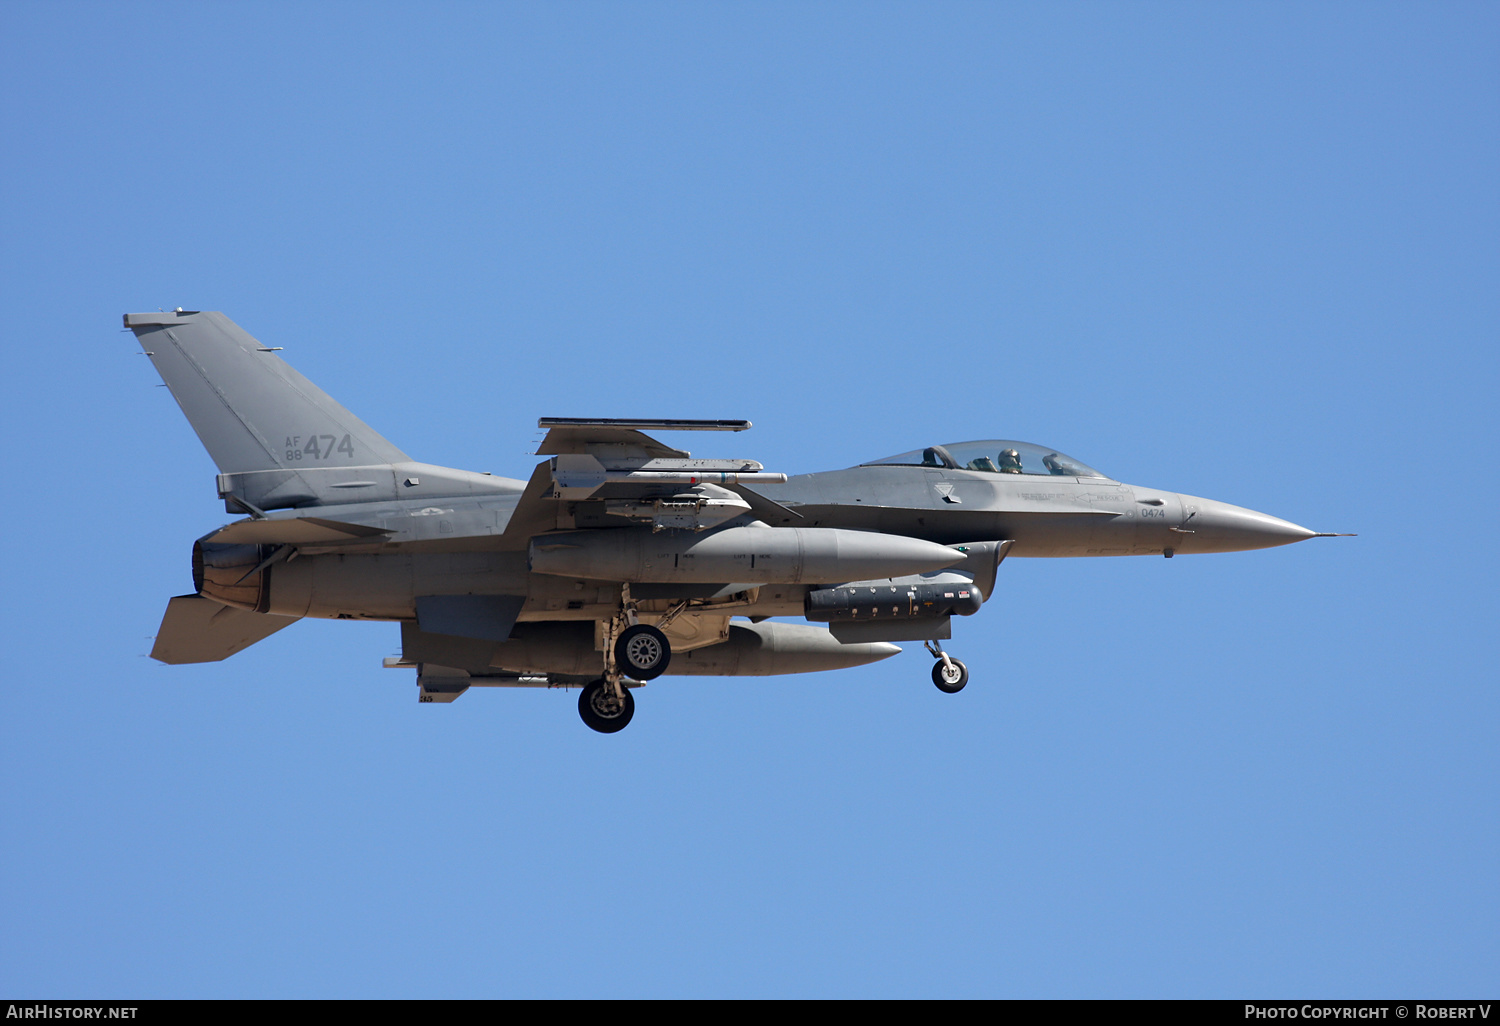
(1245, 251)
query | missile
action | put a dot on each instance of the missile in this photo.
(763, 649)
(748, 555)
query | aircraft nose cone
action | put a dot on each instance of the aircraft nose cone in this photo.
(1219, 527)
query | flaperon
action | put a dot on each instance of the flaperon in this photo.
(621, 558)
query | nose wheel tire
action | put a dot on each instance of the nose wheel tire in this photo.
(950, 676)
(643, 652)
(602, 710)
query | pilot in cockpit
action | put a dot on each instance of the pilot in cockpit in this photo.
(1010, 461)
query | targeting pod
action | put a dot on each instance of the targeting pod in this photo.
(948, 594)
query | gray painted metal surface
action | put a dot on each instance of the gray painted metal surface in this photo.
(619, 557)
(200, 630)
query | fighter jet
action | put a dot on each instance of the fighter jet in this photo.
(621, 558)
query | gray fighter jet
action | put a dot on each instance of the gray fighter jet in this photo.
(621, 558)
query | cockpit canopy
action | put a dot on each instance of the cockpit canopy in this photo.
(992, 456)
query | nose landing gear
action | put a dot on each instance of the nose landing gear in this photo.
(948, 673)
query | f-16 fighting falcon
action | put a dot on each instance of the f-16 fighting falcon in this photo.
(621, 558)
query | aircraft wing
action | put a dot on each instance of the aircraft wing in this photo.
(627, 475)
(535, 512)
(200, 630)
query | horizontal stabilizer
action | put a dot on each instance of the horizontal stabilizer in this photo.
(200, 630)
(294, 531)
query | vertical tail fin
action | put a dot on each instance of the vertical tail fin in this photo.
(278, 439)
(252, 411)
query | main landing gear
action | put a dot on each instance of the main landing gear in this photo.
(631, 649)
(642, 652)
(606, 705)
(948, 673)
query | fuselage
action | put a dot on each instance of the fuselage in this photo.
(619, 551)
(1045, 516)
(457, 545)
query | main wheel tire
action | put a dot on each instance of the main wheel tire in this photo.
(601, 710)
(642, 652)
(950, 679)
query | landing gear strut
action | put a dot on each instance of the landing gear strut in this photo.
(948, 673)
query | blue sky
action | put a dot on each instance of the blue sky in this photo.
(1240, 251)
